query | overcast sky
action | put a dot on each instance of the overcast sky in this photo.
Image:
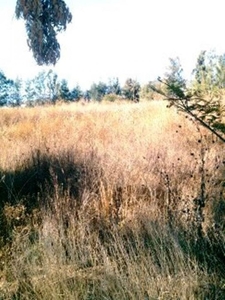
(119, 38)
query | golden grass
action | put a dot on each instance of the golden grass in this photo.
(99, 202)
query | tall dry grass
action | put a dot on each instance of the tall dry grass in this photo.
(102, 201)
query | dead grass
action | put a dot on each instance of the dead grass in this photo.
(98, 201)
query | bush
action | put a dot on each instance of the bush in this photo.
(110, 98)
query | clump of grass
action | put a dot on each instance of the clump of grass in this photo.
(145, 259)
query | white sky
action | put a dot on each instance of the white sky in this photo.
(119, 38)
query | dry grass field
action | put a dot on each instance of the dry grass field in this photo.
(110, 201)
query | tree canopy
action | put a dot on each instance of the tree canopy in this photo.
(43, 20)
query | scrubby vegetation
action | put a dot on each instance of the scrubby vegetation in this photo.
(104, 201)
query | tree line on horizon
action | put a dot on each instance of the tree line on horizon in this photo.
(46, 87)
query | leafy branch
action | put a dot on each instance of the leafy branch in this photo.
(208, 111)
(43, 20)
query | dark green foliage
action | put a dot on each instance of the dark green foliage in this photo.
(64, 91)
(76, 93)
(69, 95)
(43, 20)
(131, 90)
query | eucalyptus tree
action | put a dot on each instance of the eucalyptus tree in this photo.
(98, 91)
(43, 20)
(44, 87)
